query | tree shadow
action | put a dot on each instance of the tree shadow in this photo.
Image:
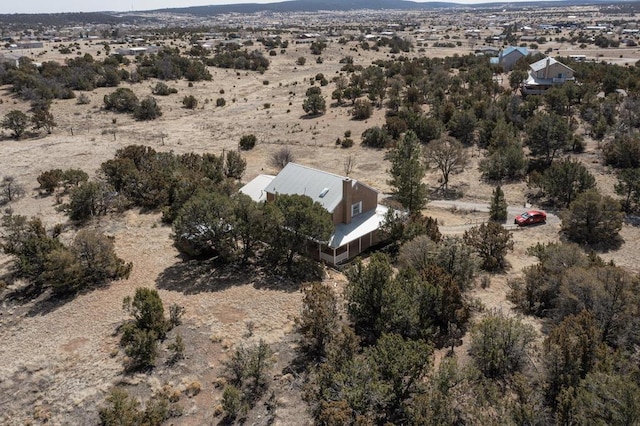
(22, 294)
(606, 245)
(311, 116)
(633, 220)
(451, 193)
(35, 300)
(205, 276)
(49, 303)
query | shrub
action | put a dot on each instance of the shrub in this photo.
(74, 177)
(375, 137)
(314, 104)
(177, 350)
(148, 109)
(500, 346)
(16, 121)
(190, 102)
(232, 403)
(492, 242)
(162, 89)
(10, 190)
(175, 315)
(301, 60)
(282, 157)
(142, 349)
(50, 180)
(83, 99)
(220, 102)
(88, 200)
(122, 100)
(362, 109)
(248, 142)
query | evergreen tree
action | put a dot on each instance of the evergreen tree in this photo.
(592, 219)
(407, 172)
(498, 209)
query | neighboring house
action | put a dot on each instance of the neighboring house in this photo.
(509, 56)
(131, 51)
(488, 51)
(354, 207)
(545, 74)
(10, 58)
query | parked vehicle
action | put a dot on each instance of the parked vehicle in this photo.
(530, 217)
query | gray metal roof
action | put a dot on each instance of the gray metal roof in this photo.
(360, 226)
(542, 63)
(255, 188)
(302, 180)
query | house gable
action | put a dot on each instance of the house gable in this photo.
(339, 195)
(550, 68)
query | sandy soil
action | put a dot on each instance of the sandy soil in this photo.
(59, 359)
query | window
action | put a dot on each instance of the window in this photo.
(356, 208)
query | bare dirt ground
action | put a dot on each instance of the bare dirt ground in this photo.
(59, 360)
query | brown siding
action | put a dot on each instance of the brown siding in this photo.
(359, 192)
(338, 213)
(368, 196)
(354, 248)
(347, 199)
(376, 237)
(366, 242)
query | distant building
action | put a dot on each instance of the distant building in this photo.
(545, 74)
(29, 45)
(10, 58)
(529, 38)
(135, 51)
(509, 56)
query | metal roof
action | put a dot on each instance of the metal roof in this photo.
(542, 63)
(255, 188)
(360, 226)
(302, 180)
(523, 50)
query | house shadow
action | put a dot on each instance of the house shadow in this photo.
(204, 276)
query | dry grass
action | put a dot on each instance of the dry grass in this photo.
(58, 360)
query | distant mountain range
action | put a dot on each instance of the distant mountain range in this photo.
(347, 5)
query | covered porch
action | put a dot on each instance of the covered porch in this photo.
(349, 240)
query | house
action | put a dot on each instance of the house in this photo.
(509, 56)
(131, 51)
(10, 58)
(545, 74)
(353, 206)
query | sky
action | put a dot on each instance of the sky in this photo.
(56, 6)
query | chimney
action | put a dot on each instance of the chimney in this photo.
(546, 68)
(347, 199)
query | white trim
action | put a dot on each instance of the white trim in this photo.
(357, 207)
